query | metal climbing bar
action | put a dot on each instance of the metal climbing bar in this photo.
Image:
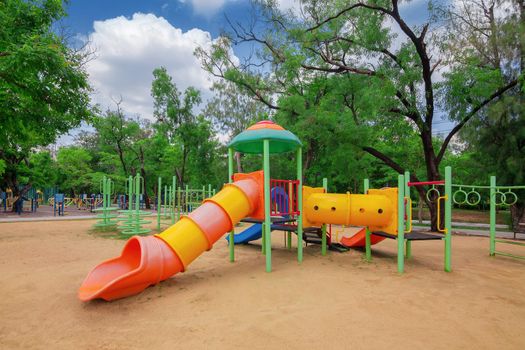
(423, 183)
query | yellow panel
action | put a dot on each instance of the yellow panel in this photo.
(186, 239)
(307, 192)
(391, 194)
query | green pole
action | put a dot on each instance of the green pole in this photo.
(407, 224)
(104, 191)
(232, 232)
(267, 219)
(323, 227)
(300, 205)
(165, 199)
(448, 218)
(400, 224)
(492, 215)
(130, 194)
(173, 192)
(186, 196)
(170, 201)
(368, 243)
(104, 199)
(137, 202)
(209, 190)
(159, 194)
(177, 191)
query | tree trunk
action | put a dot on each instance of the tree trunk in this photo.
(517, 214)
(432, 175)
(238, 156)
(20, 194)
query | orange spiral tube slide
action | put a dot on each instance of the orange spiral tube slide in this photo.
(146, 261)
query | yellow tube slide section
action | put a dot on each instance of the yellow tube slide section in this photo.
(198, 231)
(377, 211)
(145, 261)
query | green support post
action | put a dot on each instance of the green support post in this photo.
(165, 199)
(492, 215)
(137, 201)
(267, 219)
(300, 205)
(186, 196)
(230, 180)
(400, 224)
(130, 193)
(323, 227)
(173, 193)
(407, 224)
(209, 190)
(159, 188)
(177, 191)
(368, 243)
(448, 218)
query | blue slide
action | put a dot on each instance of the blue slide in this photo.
(254, 232)
(250, 234)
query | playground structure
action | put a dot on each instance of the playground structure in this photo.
(107, 211)
(501, 196)
(133, 221)
(149, 260)
(275, 205)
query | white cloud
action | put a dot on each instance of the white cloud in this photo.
(289, 5)
(206, 8)
(127, 51)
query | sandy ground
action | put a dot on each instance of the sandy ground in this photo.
(333, 302)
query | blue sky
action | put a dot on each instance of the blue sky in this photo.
(133, 37)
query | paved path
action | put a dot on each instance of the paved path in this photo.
(462, 224)
(48, 218)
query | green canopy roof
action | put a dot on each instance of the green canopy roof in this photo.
(251, 141)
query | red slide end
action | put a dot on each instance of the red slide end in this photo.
(359, 239)
(144, 261)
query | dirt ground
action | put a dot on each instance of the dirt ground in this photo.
(333, 302)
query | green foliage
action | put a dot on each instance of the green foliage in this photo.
(75, 173)
(43, 170)
(44, 90)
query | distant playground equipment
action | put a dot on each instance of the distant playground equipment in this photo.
(58, 204)
(33, 197)
(175, 201)
(133, 221)
(107, 212)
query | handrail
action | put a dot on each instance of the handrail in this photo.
(409, 218)
(439, 215)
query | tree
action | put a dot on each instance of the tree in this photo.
(44, 90)
(174, 114)
(75, 174)
(232, 111)
(488, 43)
(382, 80)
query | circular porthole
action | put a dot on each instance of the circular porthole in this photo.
(333, 208)
(362, 210)
(380, 211)
(316, 207)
